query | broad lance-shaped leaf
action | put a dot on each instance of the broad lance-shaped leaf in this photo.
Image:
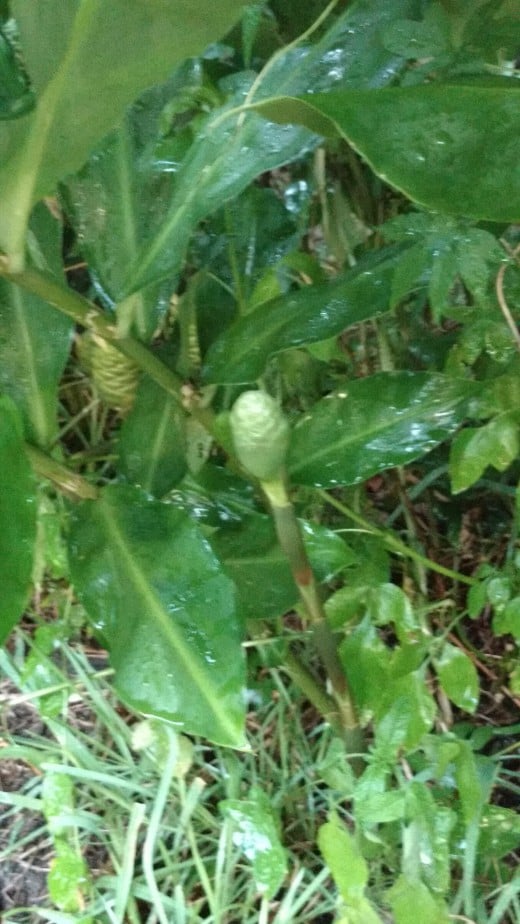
(156, 593)
(234, 148)
(35, 339)
(312, 314)
(376, 423)
(87, 61)
(17, 518)
(110, 202)
(151, 443)
(251, 555)
(449, 147)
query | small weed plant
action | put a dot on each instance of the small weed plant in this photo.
(259, 440)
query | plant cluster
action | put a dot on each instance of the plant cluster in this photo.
(259, 417)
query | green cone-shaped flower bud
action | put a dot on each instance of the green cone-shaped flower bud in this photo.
(260, 434)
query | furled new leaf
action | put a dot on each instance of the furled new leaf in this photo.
(87, 61)
(156, 593)
(314, 313)
(17, 518)
(375, 423)
(449, 147)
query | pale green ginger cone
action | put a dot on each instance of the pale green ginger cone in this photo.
(260, 434)
(114, 375)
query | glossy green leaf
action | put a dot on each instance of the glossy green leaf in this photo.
(363, 913)
(40, 671)
(252, 245)
(251, 555)
(216, 497)
(450, 148)
(507, 621)
(427, 844)
(57, 802)
(423, 39)
(384, 603)
(109, 202)
(51, 550)
(222, 161)
(499, 591)
(311, 314)
(410, 694)
(17, 519)
(373, 424)
(473, 785)
(35, 338)
(369, 667)
(497, 443)
(443, 249)
(89, 59)
(499, 832)
(335, 770)
(380, 807)
(234, 148)
(16, 97)
(68, 877)
(151, 442)
(344, 859)
(492, 27)
(256, 832)
(365, 659)
(411, 901)
(156, 593)
(458, 677)
(389, 604)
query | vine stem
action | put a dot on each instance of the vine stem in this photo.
(291, 543)
(85, 313)
(395, 544)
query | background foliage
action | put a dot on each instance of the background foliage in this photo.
(323, 204)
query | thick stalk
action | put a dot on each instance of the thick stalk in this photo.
(314, 692)
(84, 312)
(67, 482)
(291, 542)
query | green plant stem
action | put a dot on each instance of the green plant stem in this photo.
(393, 543)
(66, 481)
(291, 543)
(315, 693)
(84, 312)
